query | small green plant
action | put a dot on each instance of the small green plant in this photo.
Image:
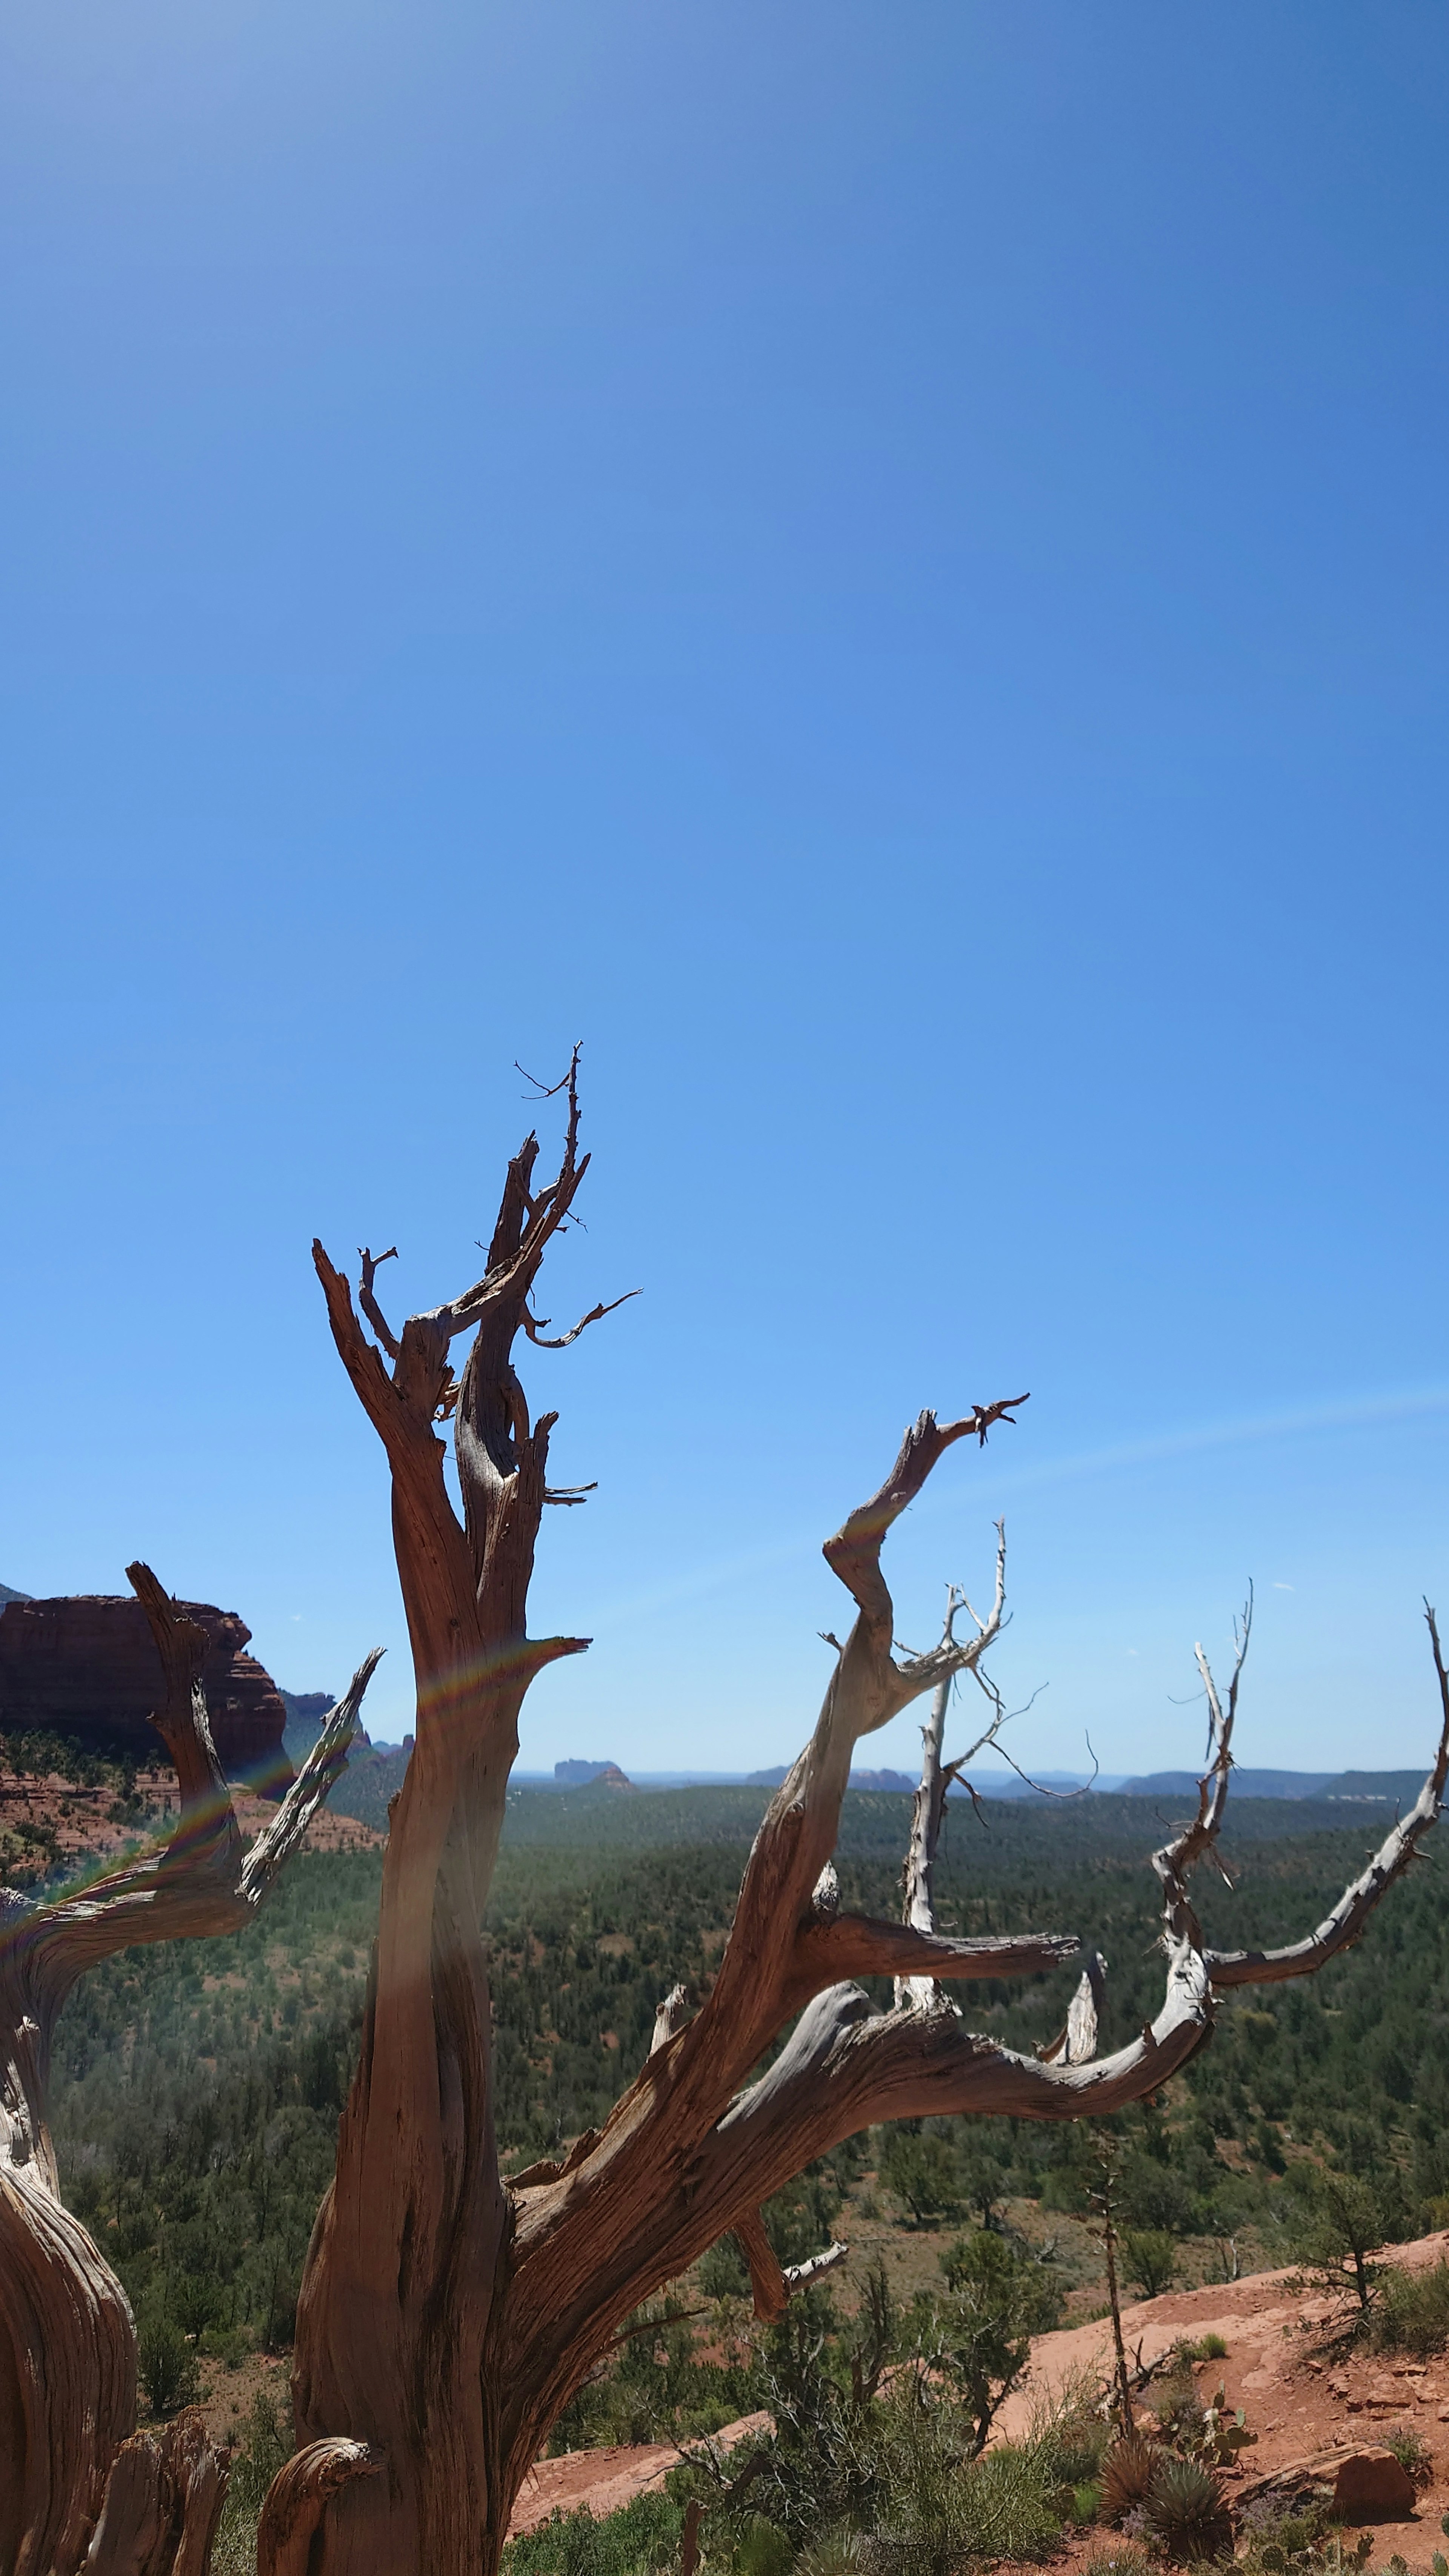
(1222, 2433)
(1208, 2347)
(1117, 2557)
(1187, 2511)
(1411, 2451)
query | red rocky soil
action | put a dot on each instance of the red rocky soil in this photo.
(85, 1830)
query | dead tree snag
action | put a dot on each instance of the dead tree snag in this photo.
(445, 2318)
(79, 2484)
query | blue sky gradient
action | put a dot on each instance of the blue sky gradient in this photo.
(884, 568)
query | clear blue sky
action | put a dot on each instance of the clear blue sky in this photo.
(883, 566)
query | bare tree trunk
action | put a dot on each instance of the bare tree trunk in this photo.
(80, 2486)
(446, 2320)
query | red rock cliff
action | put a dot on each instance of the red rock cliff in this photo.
(86, 1667)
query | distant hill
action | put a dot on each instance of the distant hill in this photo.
(581, 1775)
(1334, 1788)
(6, 1594)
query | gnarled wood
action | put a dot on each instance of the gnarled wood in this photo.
(67, 2339)
(444, 2320)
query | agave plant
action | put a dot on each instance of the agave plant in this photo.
(1187, 2511)
(1127, 2473)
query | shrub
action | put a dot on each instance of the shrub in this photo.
(1186, 2511)
(1073, 2435)
(923, 2171)
(167, 2365)
(1335, 2220)
(1117, 2557)
(1128, 2469)
(637, 2541)
(1413, 2310)
(1209, 2347)
(980, 2336)
(1150, 2259)
(1411, 2451)
(762, 2550)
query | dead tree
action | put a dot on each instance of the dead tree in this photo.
(78, 2484)
(447, 2317)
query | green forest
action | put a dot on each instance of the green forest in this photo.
(198, 2085)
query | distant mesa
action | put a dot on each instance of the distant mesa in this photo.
(85, 1666)
(591, 1775)
(7, 1595)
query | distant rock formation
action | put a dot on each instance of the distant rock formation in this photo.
(587, 1775)
(7, 1595)
(85, 1666)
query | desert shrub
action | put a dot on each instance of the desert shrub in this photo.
(1208, 2347)
(1335, 2220)
(1128, 2469)
(923, 2171)
(641, 2538)
(1411, 2451)
(1176, 2399)
(1412, 2312)
(167, 2364)
(1074, 2436)
(1187, 2512)
(1149, 2259)
(761, 2550)
(980, 2334)
(1117, 2556)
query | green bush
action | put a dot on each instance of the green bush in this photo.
(1412, 2313)
(637, 2541)
(167, 2365)
(1149, 2257)
(980, 2334)
(923, 2171)
(1335, 2220)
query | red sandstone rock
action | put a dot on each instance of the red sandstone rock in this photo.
(1369, 2484)
(85, 1667)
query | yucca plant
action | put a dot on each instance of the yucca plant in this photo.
(1127, 2473)
(1187, 2512)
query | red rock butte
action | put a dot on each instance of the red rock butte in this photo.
(85, 1667)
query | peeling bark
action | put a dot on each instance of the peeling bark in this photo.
(78, 2478)
(446, 2320)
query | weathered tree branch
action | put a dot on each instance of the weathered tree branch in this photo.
(444, 2323)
